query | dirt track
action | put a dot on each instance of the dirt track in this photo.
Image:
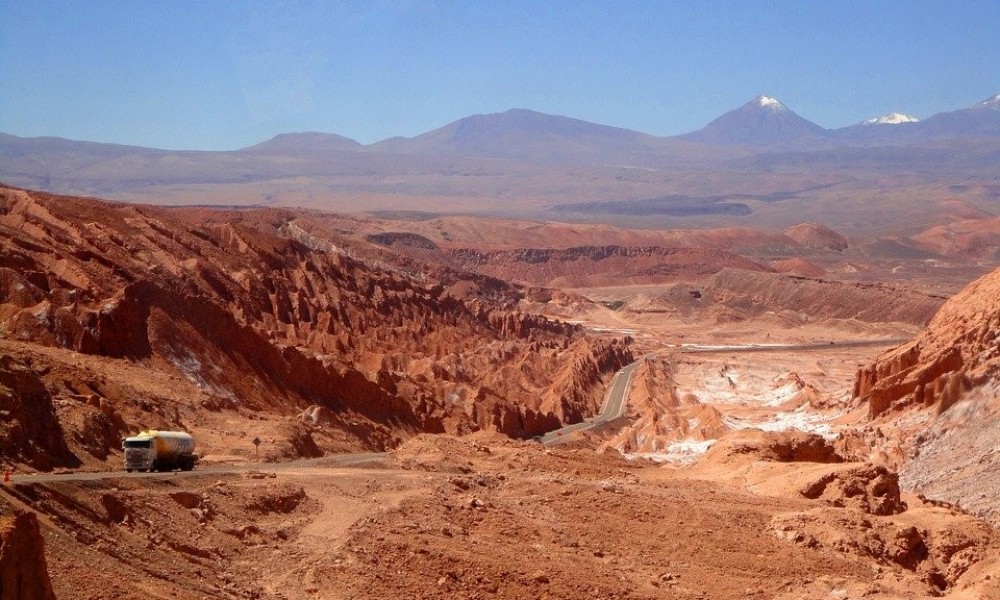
(485, 517)
(482, 517)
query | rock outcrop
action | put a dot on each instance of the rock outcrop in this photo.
(817, 235)
(268, 311)
(24, 574)
(783, 446)
(746, 294)
(29, 427)
(587, 266)
(959, 350)
(872, 489)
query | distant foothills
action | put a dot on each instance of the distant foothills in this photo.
(480, 155)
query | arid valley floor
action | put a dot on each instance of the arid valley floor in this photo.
(807, 418)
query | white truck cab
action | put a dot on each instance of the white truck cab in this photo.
(159, 451)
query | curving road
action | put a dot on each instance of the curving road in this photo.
(613, 408)
(614, 404)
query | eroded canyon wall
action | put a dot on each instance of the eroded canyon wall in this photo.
(254, 314)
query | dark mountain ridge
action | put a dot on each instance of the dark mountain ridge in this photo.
(763, 121)
(518, 153)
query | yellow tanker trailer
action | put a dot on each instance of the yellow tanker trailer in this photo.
(159, 451)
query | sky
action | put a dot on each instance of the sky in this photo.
(226, 74)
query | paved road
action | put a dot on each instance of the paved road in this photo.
(614, 404)
(739, 348)
(614, 407)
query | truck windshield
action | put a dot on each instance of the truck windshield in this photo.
(137, 443)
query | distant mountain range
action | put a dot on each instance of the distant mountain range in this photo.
(764, 133)
(767, 122)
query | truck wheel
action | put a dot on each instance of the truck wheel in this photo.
(128, 470)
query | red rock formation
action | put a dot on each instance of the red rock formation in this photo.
(269, 311)
(29, 427)
(599, 265)
(755, 293)
(798, 266)
(958, 350)
(23, 572)
(783, 446)
(817, 235)
(978, 238)
(872, 489)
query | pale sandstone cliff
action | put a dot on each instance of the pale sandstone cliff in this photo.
(959, 350)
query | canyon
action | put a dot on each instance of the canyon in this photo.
(336, 300)
(812, 412)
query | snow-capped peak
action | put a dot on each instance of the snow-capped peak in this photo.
(892, 119)
(767, 102)
(990, 103)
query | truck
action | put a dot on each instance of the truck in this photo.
(154, 450)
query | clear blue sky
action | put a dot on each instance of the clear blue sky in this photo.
(226, 74)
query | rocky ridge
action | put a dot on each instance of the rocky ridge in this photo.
(244, 316)
(956, 352)
(817, 235)
(736, 294)
(933, 403)
(24, 574)
(596, 265)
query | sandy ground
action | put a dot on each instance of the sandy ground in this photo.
(805, 390)
(733, 513)
(684, 402)
(482, 517)
(486, 517)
